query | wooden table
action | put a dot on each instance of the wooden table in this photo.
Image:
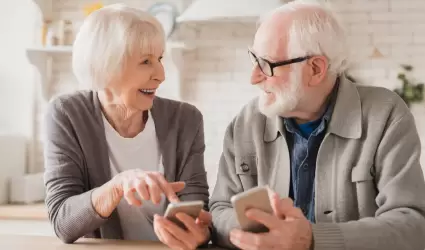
(20, 242)
(24, 212)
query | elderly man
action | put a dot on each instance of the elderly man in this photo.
(347, 156)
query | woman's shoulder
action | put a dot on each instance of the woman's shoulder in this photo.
(74, 102)
(176, 108)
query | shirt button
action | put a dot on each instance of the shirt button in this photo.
(244, 167)
(305, 167)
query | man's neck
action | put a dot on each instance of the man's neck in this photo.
(314, 108)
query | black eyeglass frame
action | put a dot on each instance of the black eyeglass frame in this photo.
(273, 65)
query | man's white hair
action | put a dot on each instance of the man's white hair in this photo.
(317, 34)
(107, 37)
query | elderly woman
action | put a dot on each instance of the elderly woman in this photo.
(116, 155)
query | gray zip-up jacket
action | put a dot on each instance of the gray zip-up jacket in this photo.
(370, 189)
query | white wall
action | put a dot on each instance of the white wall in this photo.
(217, 78)
(216, 74)
(16, 87)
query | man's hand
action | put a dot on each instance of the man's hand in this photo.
(288, 228)
(175, 237)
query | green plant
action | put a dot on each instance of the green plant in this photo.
(410, 91)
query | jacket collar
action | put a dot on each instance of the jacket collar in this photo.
(346, 119)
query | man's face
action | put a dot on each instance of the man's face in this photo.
(280, 93)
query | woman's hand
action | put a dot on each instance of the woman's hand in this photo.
(149, 186)
(173, 236)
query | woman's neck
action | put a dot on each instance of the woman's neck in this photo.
(126, 121)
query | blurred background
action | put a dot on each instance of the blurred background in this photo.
(206, 64)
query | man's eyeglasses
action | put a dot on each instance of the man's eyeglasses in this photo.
(267, 66)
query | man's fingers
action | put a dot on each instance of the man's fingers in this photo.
(274, 202)
(284, 208)
(287, 210)
(241, 245)
(264, 218)
(247, 240)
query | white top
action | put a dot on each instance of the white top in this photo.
(139, 152)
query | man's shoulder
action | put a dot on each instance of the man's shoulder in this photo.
(248, 121)
(249, 113)
(380, 102)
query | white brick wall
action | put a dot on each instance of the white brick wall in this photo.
(216, 74)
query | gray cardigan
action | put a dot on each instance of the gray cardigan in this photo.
(76, 160)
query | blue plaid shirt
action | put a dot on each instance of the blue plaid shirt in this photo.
(303, 142)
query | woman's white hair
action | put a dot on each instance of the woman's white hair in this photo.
(320, 33)
(107, 37)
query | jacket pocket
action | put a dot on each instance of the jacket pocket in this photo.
(246, 169)
(365, 188)
(361, 173)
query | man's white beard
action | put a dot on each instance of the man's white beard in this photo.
(287, 99)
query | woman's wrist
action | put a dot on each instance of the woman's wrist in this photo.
(106, 198)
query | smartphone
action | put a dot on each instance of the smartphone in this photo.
(258, 198)
(191, 208)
